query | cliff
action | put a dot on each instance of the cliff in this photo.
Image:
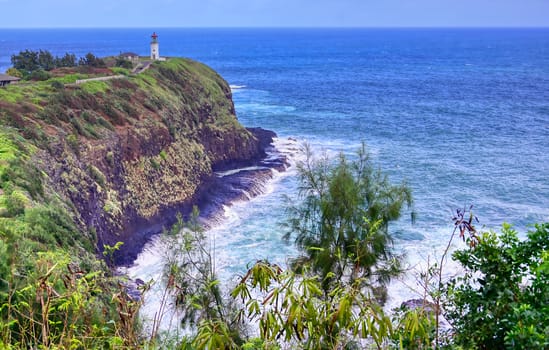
(122, 156)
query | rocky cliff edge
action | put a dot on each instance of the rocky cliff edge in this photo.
(123, 156)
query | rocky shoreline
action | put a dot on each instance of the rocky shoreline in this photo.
(230, 182)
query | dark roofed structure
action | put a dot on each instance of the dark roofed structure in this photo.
(130, 56)
(7, 79)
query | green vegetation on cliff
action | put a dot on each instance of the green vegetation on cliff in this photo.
(120, 152)
(84, 165)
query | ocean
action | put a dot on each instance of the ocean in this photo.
(461, 115)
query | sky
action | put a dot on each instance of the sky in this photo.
(274, 13)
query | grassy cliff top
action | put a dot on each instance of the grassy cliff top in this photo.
(168, 81)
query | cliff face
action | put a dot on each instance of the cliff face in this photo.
(125, 155)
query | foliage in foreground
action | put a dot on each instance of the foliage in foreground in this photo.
(50, 298)
(502, 300)
(56, 301)
(327, 300)
(62, 304)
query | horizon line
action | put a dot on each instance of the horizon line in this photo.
(281, 27)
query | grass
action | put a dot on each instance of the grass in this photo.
(145, 80)
(94, 86)
(8, 150)
(179, 95)
(35, 92)
(120, 70)
(69, 78)
(38, 92)
(12, 93)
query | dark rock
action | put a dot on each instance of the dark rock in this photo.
(413, 304)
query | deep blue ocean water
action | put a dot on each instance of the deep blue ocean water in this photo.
(462, 115)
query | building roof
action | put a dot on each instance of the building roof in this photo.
(129, 54)
(5, 77)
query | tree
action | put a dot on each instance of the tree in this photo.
(502, 300)
(342, 226)
(35, 64)
(91, 60)
(30, 61)
(46, 60)
(14, 72)
(25, 62)
(69, 60)
(124, 63)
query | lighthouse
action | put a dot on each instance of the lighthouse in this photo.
(155, 54)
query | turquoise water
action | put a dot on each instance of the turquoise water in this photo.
(462, 115)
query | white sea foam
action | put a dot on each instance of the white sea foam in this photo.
(236, 171)
(260, 108)
(235, 241)
(419, 256)
(148, 267)
(230, 217)
(237, 87)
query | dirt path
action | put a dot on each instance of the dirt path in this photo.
(140, 68)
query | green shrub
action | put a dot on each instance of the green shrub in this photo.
(66, 302)
(39, 75)
(14, 72)
(163, 154)
(57, 85)
(97, 176)
(15, 203)
(78, 127)
(74, 144)
(88, 117)
(112, 112)
(123, 93)
(155, 164)
(105, 123)
(52, 226)
(23, 174)
(502, 300)
(130, 110)
(342, 223)
(53, 113)
(123, 63)
(110, 158)
(154, 104)
(91, 131)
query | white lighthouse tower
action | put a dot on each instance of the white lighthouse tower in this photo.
(155, 54)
